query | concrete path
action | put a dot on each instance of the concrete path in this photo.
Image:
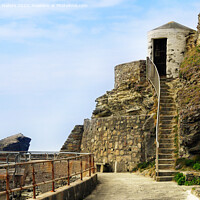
(129, 186)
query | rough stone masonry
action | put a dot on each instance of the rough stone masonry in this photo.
(121, 132)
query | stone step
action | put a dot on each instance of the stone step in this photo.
(165, 166)
(166, 161)
(166, 93)
(168, 105)
(164, 88)
(165, 120)
(165, 156)
(166, 140)
(166, 126)
(166, 145)
(164, 78)
(162, 108)
(166, 173)
(167, 112)
(166, 150)
(163, 123)
(166, 97)
(166, 100)
(166, 136)
(164, 178)
(166, 117)
(165, 132)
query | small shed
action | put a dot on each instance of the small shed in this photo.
(166, 47)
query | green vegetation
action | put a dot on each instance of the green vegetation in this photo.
(181, 180)
(192, 59)
(150, 95)
(188, 164)
(190, 72)
(176, 117)
(143, 166)
(196, 166)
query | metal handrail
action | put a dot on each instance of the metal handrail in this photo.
(90, 168)
(31, 155)
(154, 77)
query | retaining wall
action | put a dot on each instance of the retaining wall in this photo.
(77, 190)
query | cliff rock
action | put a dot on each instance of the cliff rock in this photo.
(188, 100)
(132, 95)
(16, 142)
(73, 142)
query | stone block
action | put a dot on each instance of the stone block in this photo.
(110, 157)
(117, 152)
(116, 145)
(118, 158)
(121, 152)
(130, 142)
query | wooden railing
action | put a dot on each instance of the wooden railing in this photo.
(33, 174)
(153, 76)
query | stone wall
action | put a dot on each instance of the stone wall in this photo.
(127, 140)
(77, 190)
(73, 142)
(121, 133)
(130, 72)
(132, 94)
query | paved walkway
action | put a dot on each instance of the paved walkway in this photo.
(127, 186)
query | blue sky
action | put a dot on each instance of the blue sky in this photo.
(54, 62)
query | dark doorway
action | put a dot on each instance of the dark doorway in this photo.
(159, 58)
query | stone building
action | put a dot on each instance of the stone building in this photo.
(167, 46)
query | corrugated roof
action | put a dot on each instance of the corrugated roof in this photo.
(174, 25)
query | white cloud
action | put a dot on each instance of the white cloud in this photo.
(20, 32)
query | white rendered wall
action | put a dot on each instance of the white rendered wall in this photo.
(176, 44)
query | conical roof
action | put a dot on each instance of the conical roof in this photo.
(173, 25)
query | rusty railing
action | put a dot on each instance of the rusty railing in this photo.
(35, 174)
(24, 156)
(153, 76)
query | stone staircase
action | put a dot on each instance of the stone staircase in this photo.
(166, 134)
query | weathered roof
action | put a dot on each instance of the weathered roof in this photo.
(173, 25)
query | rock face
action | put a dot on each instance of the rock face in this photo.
(121, 132)
(132, 95)
(16, 142)
(73, 142)
(188, 100)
